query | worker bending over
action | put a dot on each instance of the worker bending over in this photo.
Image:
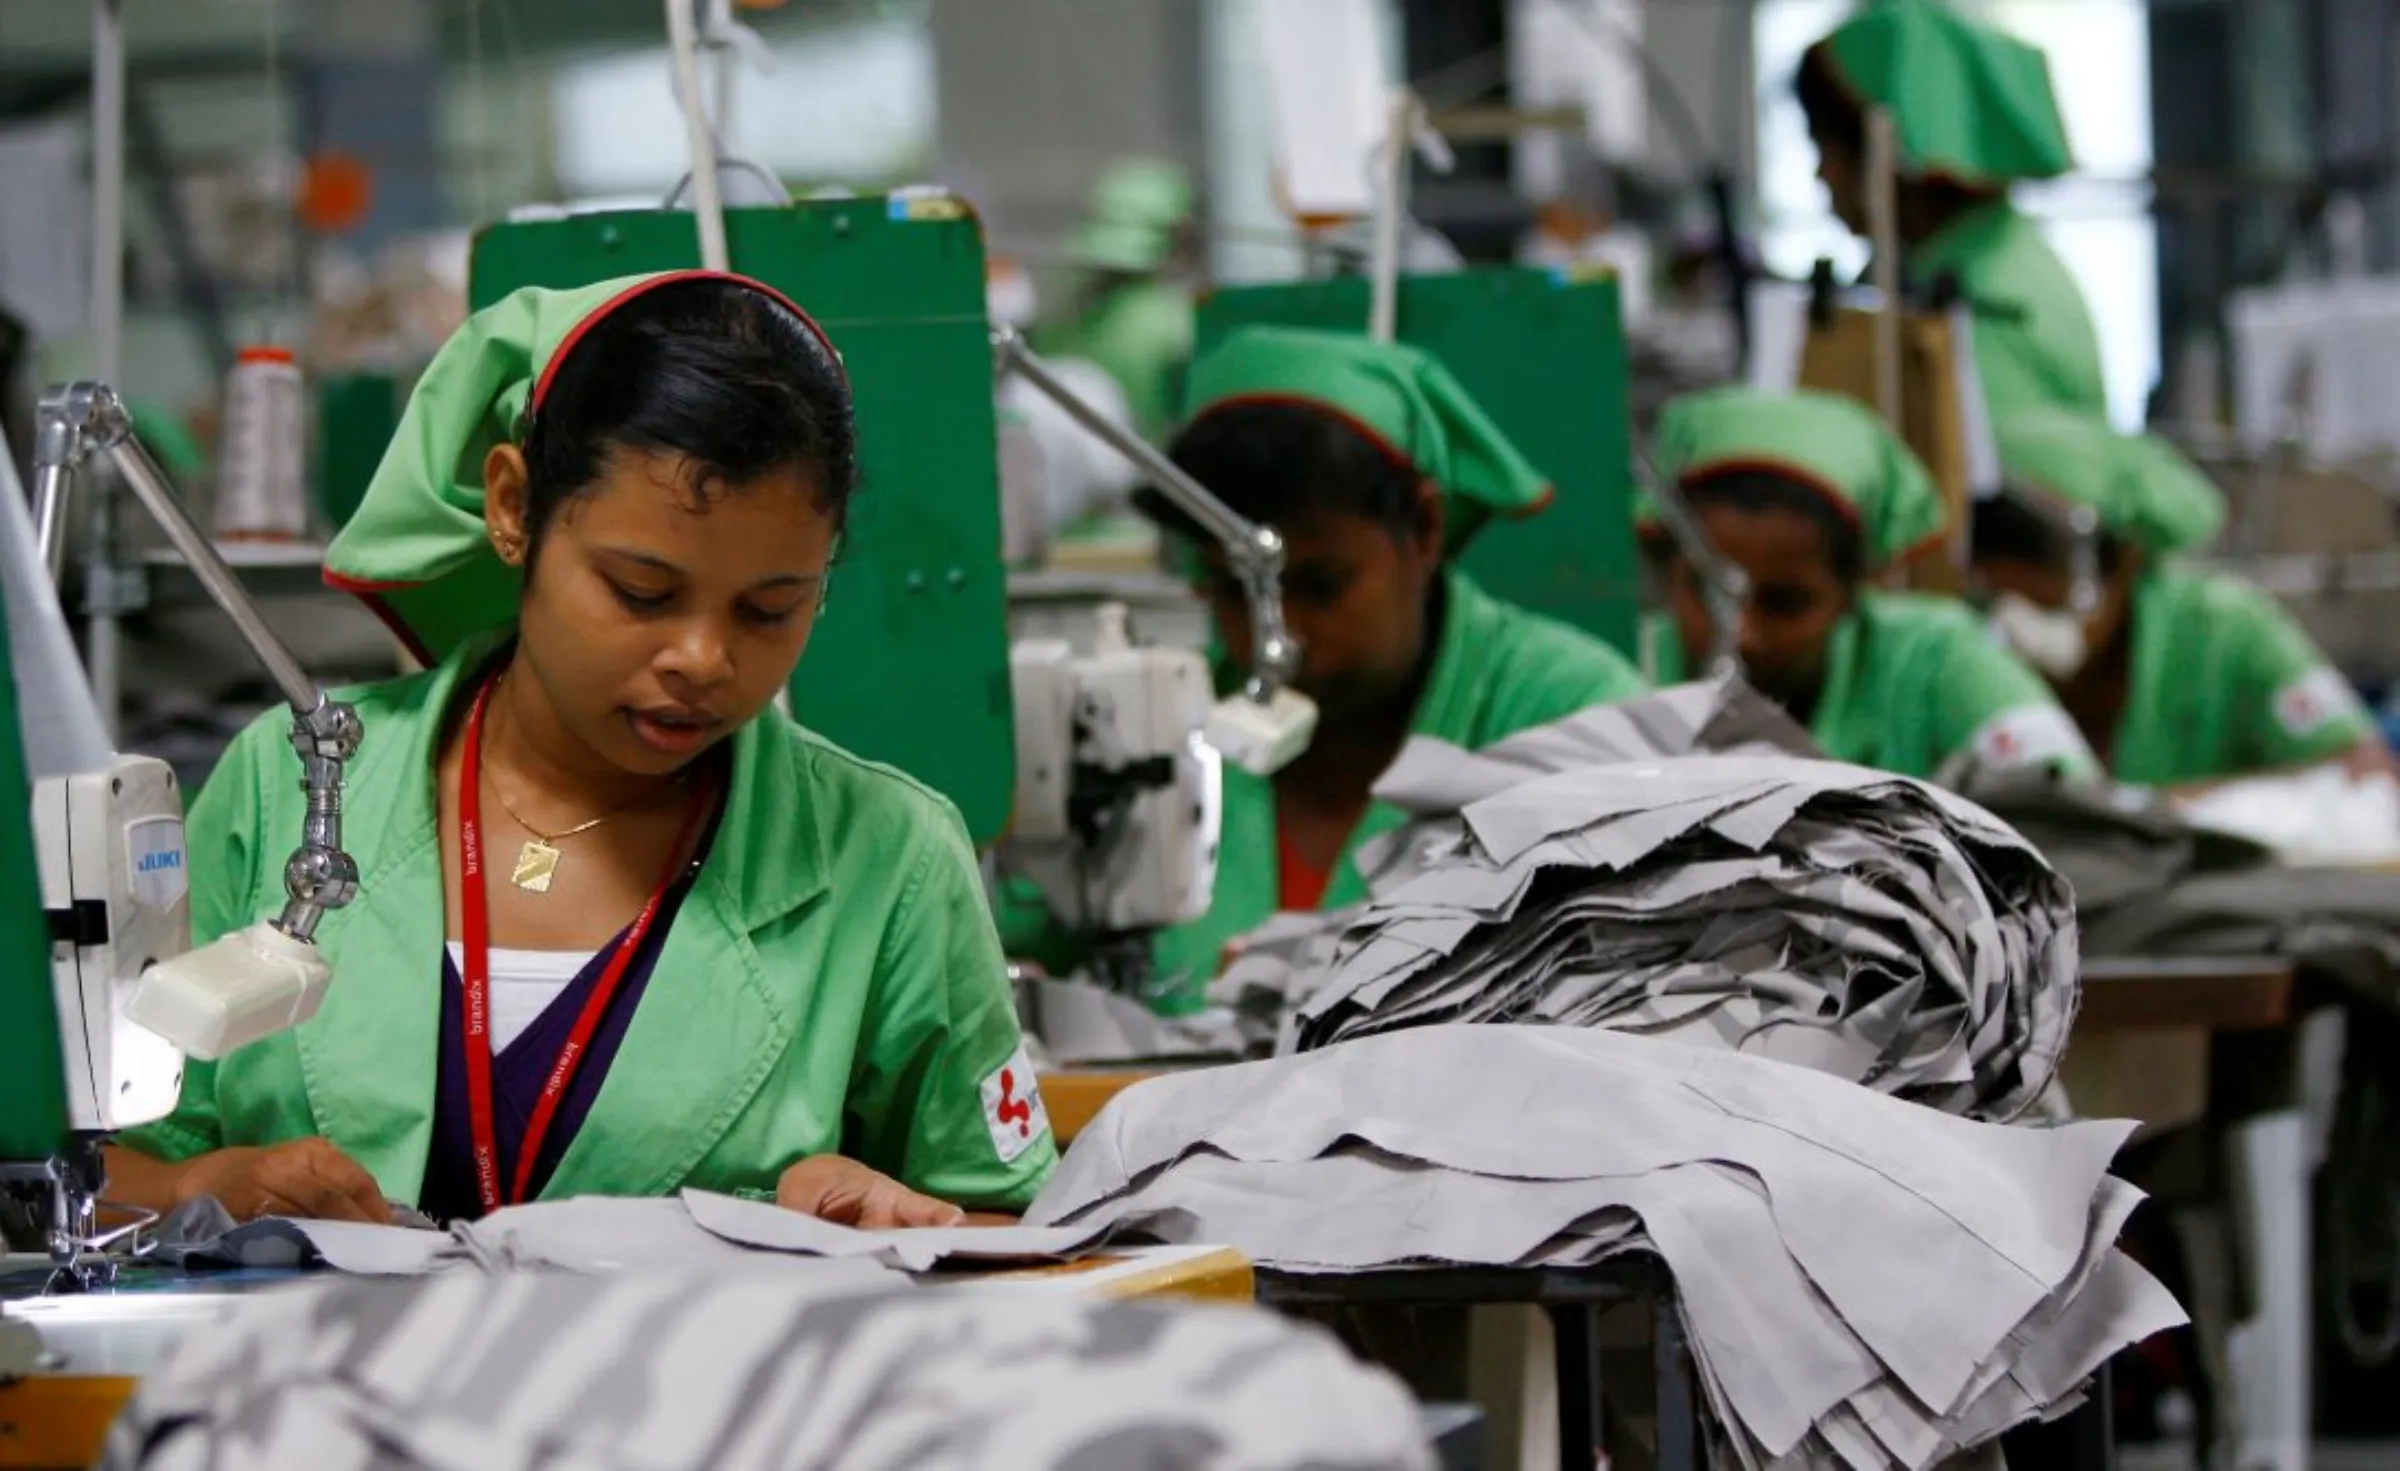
(688, 943)
(1811, 497)
(1376, 468)
(2178, 678)
(1972, 113)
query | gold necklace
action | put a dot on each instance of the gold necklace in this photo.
(538, 858)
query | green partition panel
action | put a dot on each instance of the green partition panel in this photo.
(33, 1079)
(910, 662)
(1546, 358)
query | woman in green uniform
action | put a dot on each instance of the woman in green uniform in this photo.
(1972, 112)
(2178, 678)
(1131, 318)
(688, 943)
(1811, 496)
(1375, 467)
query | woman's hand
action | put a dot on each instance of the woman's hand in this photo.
(305, 1178)
(847, 1193)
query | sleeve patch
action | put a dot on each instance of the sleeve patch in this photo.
(2315, 700)
(2030, 735)
(1012, 1107)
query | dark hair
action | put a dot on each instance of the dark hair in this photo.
(1833, 112)
(2007, 530)
(1273, 461)
(1757, 491)
(712, 370)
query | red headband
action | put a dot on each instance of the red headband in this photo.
(541, 385)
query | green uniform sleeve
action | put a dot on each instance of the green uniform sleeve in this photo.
(945, 1098)
(1030, 932)
(2294, 708)
(221, 834)
(1991, 708)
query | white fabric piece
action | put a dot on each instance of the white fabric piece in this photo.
(772, 1228)
(2322, 816)
(699, 1230)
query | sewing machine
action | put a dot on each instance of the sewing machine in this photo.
(98, 1044)
(1119, 750)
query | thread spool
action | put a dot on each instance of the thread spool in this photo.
(262, 490)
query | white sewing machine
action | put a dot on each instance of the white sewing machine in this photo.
(1118, 791)
(1120, 750)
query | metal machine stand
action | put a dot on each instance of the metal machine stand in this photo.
(1725, 586)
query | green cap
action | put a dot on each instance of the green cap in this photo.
(1398, 396)
(416, 550)
(1135, 210)
(2141, 487)
(1833, 445)
(1968, 102)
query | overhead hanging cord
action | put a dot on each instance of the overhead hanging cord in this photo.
(708, 205)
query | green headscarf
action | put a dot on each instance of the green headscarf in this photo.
(416, 550)
(1398, 396)
(1833, 445)
(1134, 213)
(2142, 488)
(1968, 102)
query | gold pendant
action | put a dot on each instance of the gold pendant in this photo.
(537, 862)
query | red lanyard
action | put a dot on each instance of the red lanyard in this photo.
(476, 974)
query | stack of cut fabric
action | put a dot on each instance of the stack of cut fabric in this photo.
(744, 1373)
(1864, 1283)
(1587, 874)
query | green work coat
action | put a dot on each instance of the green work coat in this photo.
(832, 983)
(2223, 683)
(2034, 341)
(1497, 669)
(1913, 684)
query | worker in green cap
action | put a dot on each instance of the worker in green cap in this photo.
(622, 927)
(1972, 113)
(2178, 678)
(1376, 468)
(1811, 496)
(1132, 316)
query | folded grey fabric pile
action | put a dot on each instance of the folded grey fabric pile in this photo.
(1582, 874)
(1863, 1282)
(465, 1373)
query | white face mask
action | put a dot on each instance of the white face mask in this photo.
(2052, 640)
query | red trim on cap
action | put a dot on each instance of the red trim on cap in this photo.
(541, 386)
(1372, 435)
(371, 594)
(1843, 506)
(265, 355)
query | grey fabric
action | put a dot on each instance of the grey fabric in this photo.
(598, 1235)
(1596, 873)
(2148, 884)
(1851, 1270)
(659, 1370)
